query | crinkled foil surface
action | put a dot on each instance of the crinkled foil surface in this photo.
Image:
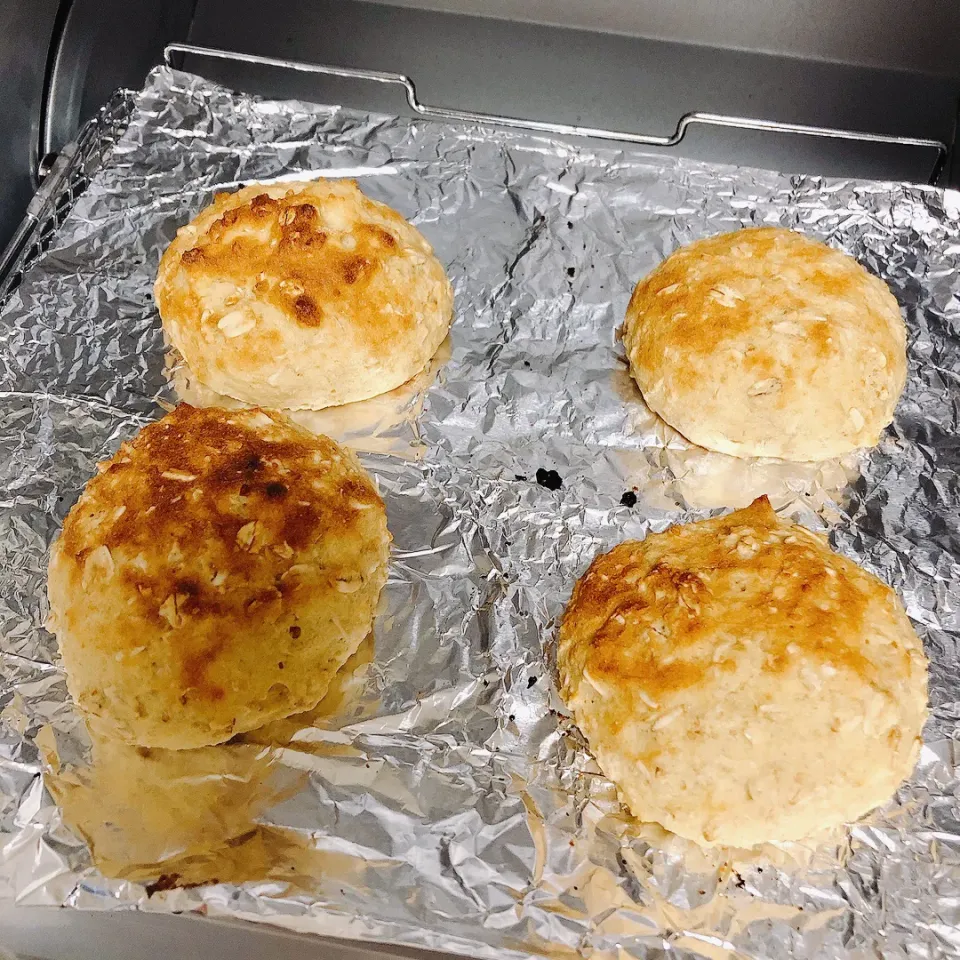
(439, 797)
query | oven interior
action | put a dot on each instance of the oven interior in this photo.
(865, 89)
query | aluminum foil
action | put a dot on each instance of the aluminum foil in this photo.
(439, 796)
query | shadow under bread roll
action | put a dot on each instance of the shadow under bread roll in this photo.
(172, 818)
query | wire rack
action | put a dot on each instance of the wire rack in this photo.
(174, 53)
(72, 170)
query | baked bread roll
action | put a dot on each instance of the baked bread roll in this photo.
(765, 343)
(302, 295)
(214, 575)
(740, 682)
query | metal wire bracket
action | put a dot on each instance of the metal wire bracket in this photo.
(62, 183)
(564, 129)
(65, 179)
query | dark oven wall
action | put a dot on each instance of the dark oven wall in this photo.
(654, 61)
(59, 61)
(27, 29)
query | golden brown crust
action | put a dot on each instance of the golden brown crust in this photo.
(284, 237)
(213, 544)
(763, 342)
(199, 479)
(677, 650)
(692, 579)
(302, 295)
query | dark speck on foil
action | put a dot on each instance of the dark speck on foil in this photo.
(549, 479)
(166, 881)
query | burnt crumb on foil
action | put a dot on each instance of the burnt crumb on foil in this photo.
(629, 499)
(549, 479)
(166, 881)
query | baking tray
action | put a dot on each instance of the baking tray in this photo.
(485, 828)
